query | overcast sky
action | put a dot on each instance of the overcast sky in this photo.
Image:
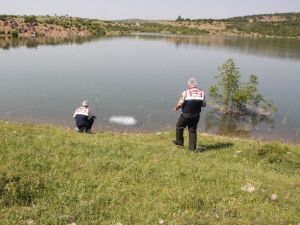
(151, 9)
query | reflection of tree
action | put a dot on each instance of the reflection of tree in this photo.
(228, 124)
(7, 42)
(275, 47)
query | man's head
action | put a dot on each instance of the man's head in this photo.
(192, 82)
(85, 103)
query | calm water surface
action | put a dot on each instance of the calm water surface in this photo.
(142, 76)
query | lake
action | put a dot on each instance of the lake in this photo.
(142, 76)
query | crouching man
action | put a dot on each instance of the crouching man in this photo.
(84, 121)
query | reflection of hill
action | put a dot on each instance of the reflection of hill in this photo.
(226, 124)
(7, 42)
(271, 47)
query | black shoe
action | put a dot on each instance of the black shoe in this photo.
(175, 143)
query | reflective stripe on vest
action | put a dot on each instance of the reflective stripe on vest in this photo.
(193, 101)
(194, 94)
(82, 111)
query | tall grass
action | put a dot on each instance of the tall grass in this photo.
(51, 175)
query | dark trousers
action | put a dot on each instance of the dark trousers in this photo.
(190, 121)
(87, 126)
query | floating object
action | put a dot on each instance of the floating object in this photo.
(123, 120)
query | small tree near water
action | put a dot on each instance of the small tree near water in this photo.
(231, 96)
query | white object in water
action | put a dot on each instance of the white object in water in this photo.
(123, 120)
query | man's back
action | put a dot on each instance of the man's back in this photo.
(81, 116)
(193, 100)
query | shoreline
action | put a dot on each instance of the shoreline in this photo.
(156, 132)
(64, 26)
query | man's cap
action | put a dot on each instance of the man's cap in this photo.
(192, 81)
(85, 103)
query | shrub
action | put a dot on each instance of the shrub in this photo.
(30, 19)
(273, 152)
(231, 96)
(15, 34)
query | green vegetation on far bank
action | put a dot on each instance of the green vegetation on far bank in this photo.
(269, 25)
(52, 175)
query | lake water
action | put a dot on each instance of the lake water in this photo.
(142, 76)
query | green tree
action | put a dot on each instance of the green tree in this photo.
(179, 18)
(231, 96)
(30, 19)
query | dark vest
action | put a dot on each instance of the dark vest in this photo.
(193, 101)
(82, 116)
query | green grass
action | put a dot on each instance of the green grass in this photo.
(51, 175)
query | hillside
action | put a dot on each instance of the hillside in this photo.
(267, 25)
(55, 27)
(52, 175)
(279, 25)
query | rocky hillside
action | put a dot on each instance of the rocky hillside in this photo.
(268, 25)
(48, 26)
(280, 25)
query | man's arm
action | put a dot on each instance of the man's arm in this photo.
(204, 102)
(178, 106)
(180, 102)
(74, 115)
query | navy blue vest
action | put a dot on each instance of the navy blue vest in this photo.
(81, 116)
(193, 101)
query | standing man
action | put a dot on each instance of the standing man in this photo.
(83, 119)
(190, 102)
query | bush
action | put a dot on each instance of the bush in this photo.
(273, 152)
(231, 96)
(15, 34)
(30, 19)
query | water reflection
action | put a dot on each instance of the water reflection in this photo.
(8, 42)
(270, 47)
(135, 77)
(242, 125)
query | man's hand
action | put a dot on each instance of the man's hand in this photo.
(178, 106)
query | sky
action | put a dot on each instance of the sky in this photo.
(151, 9)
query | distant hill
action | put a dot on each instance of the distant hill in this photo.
(264, 25)
(271, 25)
(133, 20)
(268, 17)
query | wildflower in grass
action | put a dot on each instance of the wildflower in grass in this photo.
(274, 197)
(30, 222)
(248, 188)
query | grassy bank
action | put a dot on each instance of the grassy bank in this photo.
(52, 175)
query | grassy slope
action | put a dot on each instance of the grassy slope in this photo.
(54, 176)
